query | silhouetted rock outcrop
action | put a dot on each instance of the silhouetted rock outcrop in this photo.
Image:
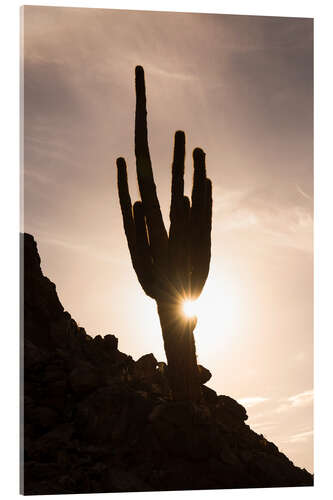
(97, 421)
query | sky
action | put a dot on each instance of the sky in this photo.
(241, 87)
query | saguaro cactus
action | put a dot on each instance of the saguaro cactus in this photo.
(171, 268)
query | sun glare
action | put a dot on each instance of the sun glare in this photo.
(217, 311)
(189, 308)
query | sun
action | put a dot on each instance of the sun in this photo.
(189, 308)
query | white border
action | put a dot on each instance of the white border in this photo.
(321, 11)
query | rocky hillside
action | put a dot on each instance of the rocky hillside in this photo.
(95, 420)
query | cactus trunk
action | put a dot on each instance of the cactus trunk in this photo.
(179, 346)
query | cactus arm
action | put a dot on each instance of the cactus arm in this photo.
(126, 207)
(145, 265)
(207, 226)
(199, 187)
(177, 186)
(158, 237)
(177, 213)
(199, 224)
(135, 231)
(208, 214)
(186, 255)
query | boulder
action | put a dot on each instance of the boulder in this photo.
(204, 374)
(209, 395)
(145, 367)
(84, 378)
(229, 410)
(43, 417)
(110, 342)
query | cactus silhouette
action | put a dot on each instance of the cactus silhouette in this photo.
(170, 267)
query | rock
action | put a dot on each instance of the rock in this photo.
(245, 455)
(110, 342)
(227, 409)
(96, 421)
(60, 330)
(34, 357)
(178, 413)
(42, 417)
(209, 395)
(41, 471)
(84, 378)
(54, 374)
(227, 456)
(47, 446)
(103, 415)
(146, 366)
(121, 480)
(204, 374)
(39, 295)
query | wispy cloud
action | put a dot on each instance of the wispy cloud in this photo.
(303, 193)
(300, 400)
(252, 401)
(81, 248)
(280, 224)
(227, 200)
(169, 74)
(300, 437)
(37, 176)
(263, 426)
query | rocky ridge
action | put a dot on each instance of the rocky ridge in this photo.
(95, 420)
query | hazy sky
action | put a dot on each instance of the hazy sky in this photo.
(241, 88)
